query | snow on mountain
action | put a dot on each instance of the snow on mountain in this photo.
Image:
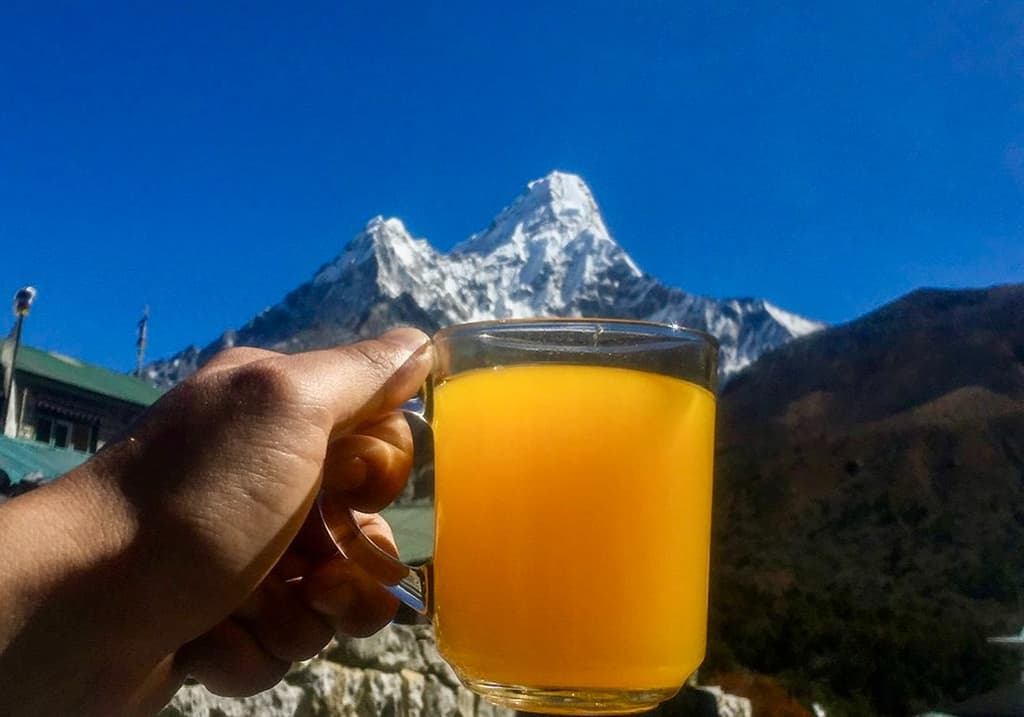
(547, 254)
(796, 325)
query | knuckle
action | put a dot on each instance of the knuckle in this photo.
(263, 381)
(376, 356)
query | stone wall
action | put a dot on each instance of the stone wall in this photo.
(395, 673)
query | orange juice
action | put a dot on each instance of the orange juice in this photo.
(573, 522)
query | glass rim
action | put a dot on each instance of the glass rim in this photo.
(672, 330)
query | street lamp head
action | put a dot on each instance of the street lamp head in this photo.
(23, 301)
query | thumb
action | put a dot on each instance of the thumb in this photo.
(358, 382)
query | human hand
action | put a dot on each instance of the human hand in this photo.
(224, 571)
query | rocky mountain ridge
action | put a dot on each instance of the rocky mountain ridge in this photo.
(548, 254)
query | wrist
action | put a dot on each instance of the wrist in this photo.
(69, 617)
(54, 537)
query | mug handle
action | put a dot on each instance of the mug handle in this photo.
(408, 583)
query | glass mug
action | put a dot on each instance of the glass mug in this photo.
(573, 471)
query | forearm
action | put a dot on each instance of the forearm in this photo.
(69, 620)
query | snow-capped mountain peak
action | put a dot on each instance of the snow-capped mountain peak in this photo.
(544, 248)
(385, 241)
(549, 253)
(551, 216)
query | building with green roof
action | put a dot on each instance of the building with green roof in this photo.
(61, 410)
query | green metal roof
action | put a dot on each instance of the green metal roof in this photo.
(18, 458)
(87, 377)
(413, 526)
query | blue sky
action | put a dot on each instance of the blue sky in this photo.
(205, 158)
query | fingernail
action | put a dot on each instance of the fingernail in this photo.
(412, 340)
(418, 344)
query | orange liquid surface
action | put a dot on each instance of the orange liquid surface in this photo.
(573, 523)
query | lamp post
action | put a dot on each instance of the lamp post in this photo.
(23, 299)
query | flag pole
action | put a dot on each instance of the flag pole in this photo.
(140, 342)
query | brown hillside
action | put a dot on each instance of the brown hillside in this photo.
(869, 508)
(903, 355)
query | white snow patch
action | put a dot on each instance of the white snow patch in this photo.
(796, 325)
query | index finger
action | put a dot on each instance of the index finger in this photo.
(369, 467)
(363, 471)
